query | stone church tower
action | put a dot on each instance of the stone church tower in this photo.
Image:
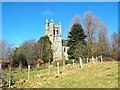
(55, 36)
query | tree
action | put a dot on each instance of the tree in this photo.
(103, 39)
(29, 52)
(90, 25)
(24, 55)
(6, 50)
(76, 36)
(114, 45)
(44, 49)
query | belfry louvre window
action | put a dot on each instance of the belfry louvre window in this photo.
(57, 32)
(54, 32)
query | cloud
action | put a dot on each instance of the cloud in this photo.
(47, 12)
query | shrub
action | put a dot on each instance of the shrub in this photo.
(108, 59)
(42, 66)
(54, 63)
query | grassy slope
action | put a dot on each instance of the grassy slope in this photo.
(98, 75)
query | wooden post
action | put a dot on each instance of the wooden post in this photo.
(28, 71)
(46, 64)
(73, 62)
(58, 68)
(96, 59)
(87, 59)
(63, 64)
(81, 66)
(0, 74)
(10, 76)
(92, 59)
(101, 58)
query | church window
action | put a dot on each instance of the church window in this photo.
(64, 49)
(54, 32)
(57, 32)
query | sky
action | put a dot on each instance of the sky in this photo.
(23, 21)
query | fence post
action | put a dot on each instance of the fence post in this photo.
(58, 68)
(10, 76)
(73, 62)
(1, 74)
(28, 71)
(101, 58)
(96, 59)
(80, 62)
(92, 59)
(87, 59)
(63, 64)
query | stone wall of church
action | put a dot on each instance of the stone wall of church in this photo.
(65, 55)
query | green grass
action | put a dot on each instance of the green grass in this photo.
(98, 75)
(101, 75)
(24, 75)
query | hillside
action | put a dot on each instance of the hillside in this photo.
(98, 75)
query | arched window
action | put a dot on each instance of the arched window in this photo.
(57, 32)
(54, 32)
(64, 49)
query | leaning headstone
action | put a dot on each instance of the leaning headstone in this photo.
(58, 68)
(80, 60)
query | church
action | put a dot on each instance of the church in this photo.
(59, 46)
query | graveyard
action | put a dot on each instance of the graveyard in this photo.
(93, 75)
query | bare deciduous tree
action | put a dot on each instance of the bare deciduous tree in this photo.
(90, 27)
(114, 45)
(75, 20)
(103, 38)
(6, 49)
